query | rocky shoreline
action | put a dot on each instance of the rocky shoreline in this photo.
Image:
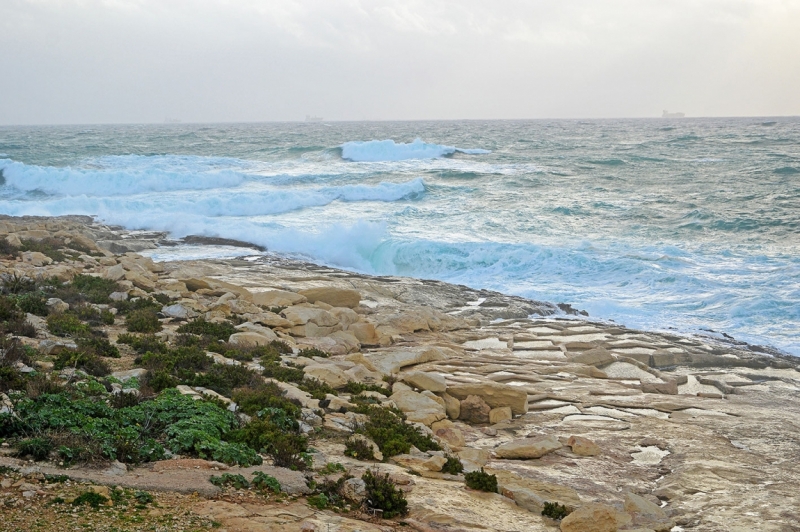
(625, 429)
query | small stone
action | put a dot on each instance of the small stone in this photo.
(498, 415)
(583, 446)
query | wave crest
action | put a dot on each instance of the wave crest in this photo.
(389, 150)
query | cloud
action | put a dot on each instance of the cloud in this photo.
(250, 60)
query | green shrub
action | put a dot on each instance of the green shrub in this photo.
(13, 320)
(331, 468)
(201, 327)
(60, 479)
(266, 482)
(88, 362)
(138, 303)
(316, 388)
(11, 379)
(283, 373)
(143, 321)
(67, 324)
(286, 447)
(143, 498)
(33, 303)
(481, 480)
(312, 352)
(97, 346)
(359, 449)
(319, 501)
(159, 380)
(94, 289)
(36, 448)
(453, 466)
(92, 315)
(47, 246)
(7, 249)
(91, 498)
(355, 388)
(223, 378)
(124, 400)
(382, 494)
(228, 479)
(17, 284)
(388, 429)
(554, 510)
(266, 395)
(143, 343)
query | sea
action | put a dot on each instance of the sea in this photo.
(684, 225)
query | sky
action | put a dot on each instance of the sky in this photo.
(141, 61)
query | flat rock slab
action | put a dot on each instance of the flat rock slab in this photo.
(527, 448)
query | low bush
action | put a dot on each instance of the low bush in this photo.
(91, 315)
(66, 324)
(319, 501)
(138, 303)
(94, 289)
(265, 482)
(282, 373)
(7, 249)
(16, 284)
(201, 327)
(554, 510)
(11, 379)
(13, 320)
(286, 447)
(355, 388)
(312, 352)
(388, 429)
(481, 480)
(453, 466)
(316, 388)
(382, 494)
(88, 362)
(359, 449)
(33, 303)
(230, 480)
(36, 448)
(331, 468)
(142, 321)
(98, 346)
(47, 246)
(143, 343)
(95, 500)
(39, 384)
(223, 378)
(254, 399)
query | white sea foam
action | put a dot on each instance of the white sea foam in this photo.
(389, 150)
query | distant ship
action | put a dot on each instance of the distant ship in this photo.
(667, 114)
(311, 118)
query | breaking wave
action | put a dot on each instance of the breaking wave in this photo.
(389, 150)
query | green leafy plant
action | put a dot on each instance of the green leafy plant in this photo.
(359, 449)
(311, 352)
(33, 303)
(143, 343)
(554, 510)
(230, 480)
(94, 289)
(355, 388)
(331, 468)
(88, 362)
(319, 501)
(143, 498)
(201, 327)
(388, 429)
(98, 346)
(481, 480)
(382, 494)
(453, 466)
(143, 321)
(266, 482)
(95, 500)
(36, 448)
(67, 324)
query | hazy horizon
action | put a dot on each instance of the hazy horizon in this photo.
(208, 61)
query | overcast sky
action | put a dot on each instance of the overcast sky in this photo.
(119, 61)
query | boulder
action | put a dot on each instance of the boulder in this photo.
(178, 311)
(328, 373)
(527, 448)
(446, 431)
(417, 407)
(473, 459)
(335, 297)
(55, 305)
(390, 361)
(115, 273)
(474, 410)
(346, 316)
(354, 490)
(426, 381)
(258, 329)
(452, 405)
(365, 332)
(270, 319)
(376, 451)
(34, 258)
(250, 339)
(434, 463)
(647, 514)
(495, 394)
(498, 415)
(277, 298)
(583, 446)
(594, 517)
(303, 314)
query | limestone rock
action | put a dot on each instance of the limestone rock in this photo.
(500, 414)
(328, 373)
(270, 319)
(277, 298)
(594, 517)
(668, 388)
(583, 446)
(258, 329)
(495, 394)
(473, 459)
(390, 361)
(250, 339)
(417, 407)
(647, 514)
(426, 381)
(56, 305)
(598, 356)
(435, 463)
(346, 316)
(354, 489)
(302, 314)
(178, 311)
(365, 332)
(335, 297)
(452, 405)
(527, 448)
(447, 432)
(531, 494)
(34, 258)
(376, 451)
(474, 410)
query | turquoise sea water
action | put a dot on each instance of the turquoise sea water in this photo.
(691, 224)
